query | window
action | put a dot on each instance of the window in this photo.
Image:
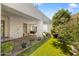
(33, 27)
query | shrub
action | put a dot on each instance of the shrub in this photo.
(39, 38)
(23, 45)
(66, 26)
(55, 35)
(48, 35)
(6, 47)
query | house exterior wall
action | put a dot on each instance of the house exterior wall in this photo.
(0, 28)
(39, 29)
(16, 26)
(6, 20)
(16, 22)
(0, 25)
(49, 28)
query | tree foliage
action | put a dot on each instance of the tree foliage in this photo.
(65, 26)
(61, 17)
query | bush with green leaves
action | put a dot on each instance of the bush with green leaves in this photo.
(66, 26)
(6, 47)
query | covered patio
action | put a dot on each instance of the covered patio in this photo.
(16, 25)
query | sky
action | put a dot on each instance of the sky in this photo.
(49, 9)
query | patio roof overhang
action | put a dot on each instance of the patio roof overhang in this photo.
(8, 11)
(25, 10)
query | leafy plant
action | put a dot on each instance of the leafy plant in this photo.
(6, 47)
(66, 26)
(23, 45)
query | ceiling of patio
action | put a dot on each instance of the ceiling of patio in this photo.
(12, 12)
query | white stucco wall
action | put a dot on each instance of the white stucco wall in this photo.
(49, 28)
(45, 28)
(16, 26)
(39, 29)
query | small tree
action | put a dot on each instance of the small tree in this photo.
(61, 17)
(59, 21)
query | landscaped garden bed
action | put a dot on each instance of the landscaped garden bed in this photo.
(13, 47)
(6, 48)
(30, 50)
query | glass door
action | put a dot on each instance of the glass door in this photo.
(24, 29)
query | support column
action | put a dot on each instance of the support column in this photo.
(49, 28)
(28, 28)
(39, 29)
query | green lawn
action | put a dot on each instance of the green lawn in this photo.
(47, 49)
